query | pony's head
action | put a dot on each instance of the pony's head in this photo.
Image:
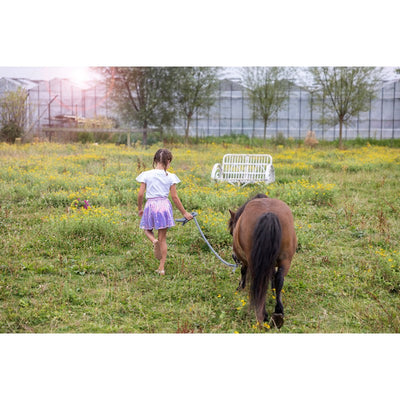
(235, 215)
(231, 222)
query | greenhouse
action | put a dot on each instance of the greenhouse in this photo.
(61, 103)
(232, 114)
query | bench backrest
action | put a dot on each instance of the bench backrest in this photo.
(245, 167)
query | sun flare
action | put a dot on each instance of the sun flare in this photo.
(81, 74)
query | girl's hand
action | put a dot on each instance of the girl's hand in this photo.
(188, 216)
(140, 213)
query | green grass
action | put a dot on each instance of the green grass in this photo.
(64, 269)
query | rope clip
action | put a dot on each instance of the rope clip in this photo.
(184, 220)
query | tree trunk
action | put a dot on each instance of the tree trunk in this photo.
(340, 133)
(187, 130)
(265, 133)
(145, 134)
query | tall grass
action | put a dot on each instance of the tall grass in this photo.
(69, 268)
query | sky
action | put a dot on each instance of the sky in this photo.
(84, 74)
(47, 73)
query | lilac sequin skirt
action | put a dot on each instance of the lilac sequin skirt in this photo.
(157, 214)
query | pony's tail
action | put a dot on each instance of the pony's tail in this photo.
(267, 238)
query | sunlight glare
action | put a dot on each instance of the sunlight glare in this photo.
(81, 74)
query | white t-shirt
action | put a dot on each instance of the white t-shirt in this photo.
(157, 182)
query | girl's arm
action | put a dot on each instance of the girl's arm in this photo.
(142, 189)
(177, 202)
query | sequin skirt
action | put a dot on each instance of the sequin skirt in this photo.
(157, 214)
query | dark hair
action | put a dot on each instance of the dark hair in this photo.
(162, 156)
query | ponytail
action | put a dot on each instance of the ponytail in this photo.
(162, 156)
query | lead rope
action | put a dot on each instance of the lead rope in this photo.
(184, 220)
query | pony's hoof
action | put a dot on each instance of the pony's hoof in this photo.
(277, 320)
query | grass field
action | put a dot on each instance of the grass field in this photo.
(71, 266)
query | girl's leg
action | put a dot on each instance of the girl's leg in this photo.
(150, 235)
(162, 239)
(155, 242)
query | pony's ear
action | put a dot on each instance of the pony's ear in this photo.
(232, 213)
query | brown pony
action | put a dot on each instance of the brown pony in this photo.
(264, 241)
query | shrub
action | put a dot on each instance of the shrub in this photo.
(311, 139)
(13, 112)
(11, 131)
(279, 139)
(85, 137)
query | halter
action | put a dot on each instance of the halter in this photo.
(194, 214)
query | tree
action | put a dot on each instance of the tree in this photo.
(13, 113)
(267, 88)
(344, 92)
(142, 95)
(195, 89)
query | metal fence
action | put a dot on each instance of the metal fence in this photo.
(232, 114)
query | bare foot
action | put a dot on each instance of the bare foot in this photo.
(157, 249)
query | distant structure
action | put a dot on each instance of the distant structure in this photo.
(232, 113)
(62, 103)
(59, 102)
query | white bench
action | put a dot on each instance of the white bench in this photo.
(243, 169)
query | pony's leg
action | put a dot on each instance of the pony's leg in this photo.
(277, 316)
(279, 279)
(243, 271)
(242, 283)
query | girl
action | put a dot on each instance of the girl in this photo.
(157, 213)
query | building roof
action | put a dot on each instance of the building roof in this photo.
(20, 82)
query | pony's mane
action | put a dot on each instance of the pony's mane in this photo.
(234, 219)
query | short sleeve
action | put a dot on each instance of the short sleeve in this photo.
(142, 177)
(174, 179)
